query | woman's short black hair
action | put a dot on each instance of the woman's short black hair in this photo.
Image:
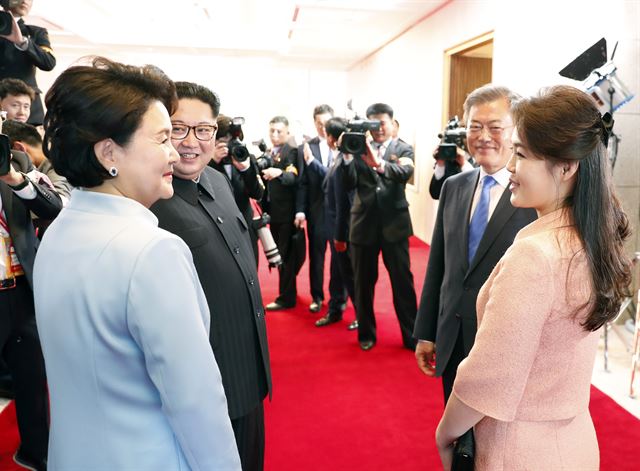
(90, 103)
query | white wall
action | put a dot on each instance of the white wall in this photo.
(532, 42)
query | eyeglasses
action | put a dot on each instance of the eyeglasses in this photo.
(203, 132)
(493, 130)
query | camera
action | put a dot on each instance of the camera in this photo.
(354, 141)
(264, 161)
(269, 246)
(454, 135)
(237, 150)
(6, 19)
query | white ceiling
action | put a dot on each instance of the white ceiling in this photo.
(329, 33)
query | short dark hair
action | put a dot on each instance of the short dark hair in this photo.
(379, 108)
(23, 132)
(335, 127)
(199, 92)
(279, 119)
(15, 87)
(486, 94)
(90, 103)
(322, 109)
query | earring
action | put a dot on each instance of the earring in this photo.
(113, 172)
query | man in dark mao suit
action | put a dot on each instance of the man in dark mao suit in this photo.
(446, 321)
(26, 48)
(20, 193)
(204, 214)
(380, 221)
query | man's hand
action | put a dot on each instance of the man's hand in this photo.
(426, 357)
(13, 178)
(306, 151)
(299, 221)
(241, 166)
(16, 35)
(340, 245)
(271, 173)
(370, 157)
(220, 151)
(461, 157)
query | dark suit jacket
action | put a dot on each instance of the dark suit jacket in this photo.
(337, 203)
(209, 221)
(311, 185)
(15, 63)
(451, 284)
(380, 202)
(46, 205)
(280, 197)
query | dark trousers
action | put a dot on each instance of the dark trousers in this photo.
(249, 433)
(20, 349)
(341, 281)
(395, 256)
(317, 250)
(282, 236)
(449, 373)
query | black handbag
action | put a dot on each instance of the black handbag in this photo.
(464, 452)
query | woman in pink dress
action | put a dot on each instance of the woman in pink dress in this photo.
(525, 385)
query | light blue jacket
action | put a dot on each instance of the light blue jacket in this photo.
(124, 329)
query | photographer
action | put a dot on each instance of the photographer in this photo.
(380, 221)
(23, 48)
(243, 174)
(20, 194)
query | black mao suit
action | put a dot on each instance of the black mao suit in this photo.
(380, 221)
(207, 218)
(15, 63)
(447, 314)
(19, 342)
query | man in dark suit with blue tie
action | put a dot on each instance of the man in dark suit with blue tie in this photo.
(380, 222)
(475, 225)
(204, 214)
(315, 171)
(24, 49)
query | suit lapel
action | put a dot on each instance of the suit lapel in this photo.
(504, 210)
(465, 200)
(7, 204)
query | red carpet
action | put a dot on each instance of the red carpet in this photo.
(338, 408)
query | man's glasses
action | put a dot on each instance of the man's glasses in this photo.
(203, 132)
(476, 129)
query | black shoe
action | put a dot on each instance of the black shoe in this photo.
(28, 462)
(353, 325)
(330, 318)
(276, 306)
(316, 305)
(367, 344)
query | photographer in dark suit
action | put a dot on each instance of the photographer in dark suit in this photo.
(24, 49)
(280, 203)
(244, 178)
(316, 166)
(20, 193)
(475, 225)
(204, 214)
(380, 221)
(444, 170)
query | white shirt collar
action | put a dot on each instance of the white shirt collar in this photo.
(501, 176)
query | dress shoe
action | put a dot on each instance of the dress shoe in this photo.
(315, 305)
(330, 318)
(353, 325)
(367, 344)
(28, 462)
(276, 306)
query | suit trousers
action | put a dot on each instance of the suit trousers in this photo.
(449, 373)
(22, 353)
(282, 235)
(317, 250)
(341, 281)
(249, 433)
(395, 256)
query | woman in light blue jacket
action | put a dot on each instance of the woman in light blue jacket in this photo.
(122, 318)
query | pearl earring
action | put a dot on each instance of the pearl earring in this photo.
(113, 172)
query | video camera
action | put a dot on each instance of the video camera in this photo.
(6, 19)
(354, 141)
(264, 161)
(237, 150)
(454, 135)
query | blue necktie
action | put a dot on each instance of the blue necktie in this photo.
(480, 216)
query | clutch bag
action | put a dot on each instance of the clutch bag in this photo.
(464, 452)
